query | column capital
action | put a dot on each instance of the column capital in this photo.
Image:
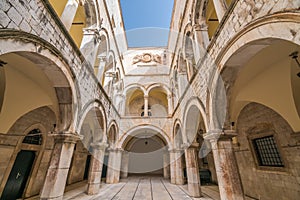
(102, 58)
(99, 145)
(90, 31)
(146, 96)
(214, 135)
(200, 27)
(192, 145)
(185, 145)
(115, 149)
(66, 137)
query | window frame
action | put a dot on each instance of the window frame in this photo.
(269, 133)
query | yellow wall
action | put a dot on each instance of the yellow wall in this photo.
(76, 29)
(266, 79)
(211, 15)
(27, 88)
(58, 5)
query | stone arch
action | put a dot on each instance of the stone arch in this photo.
(160, 101)
(182, 66)
(204, 14)
(133, 86)
(194, 110)
(103, 32)
(177, 135)
(260, 30)
(158, 85)
(111, 57)
(145, 145)
(126, 137)
(261, 38)
(189, 50)
(47, 59)
(95, 117)
(112, 133)
(187, 42)
(134, 94)
(199, 11)
(109, 73)
(92, 13)
(102, 54)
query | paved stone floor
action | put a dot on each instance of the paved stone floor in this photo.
(141, 188)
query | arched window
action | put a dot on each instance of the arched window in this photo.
(33, 137)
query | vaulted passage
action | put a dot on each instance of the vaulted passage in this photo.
(145, 151)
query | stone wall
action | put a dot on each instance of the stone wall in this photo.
(42, 118)
(270, 183)
(37, 18)
(233, 25)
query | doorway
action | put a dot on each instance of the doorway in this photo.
(19, 175)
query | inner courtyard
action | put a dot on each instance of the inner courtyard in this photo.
(212, 115)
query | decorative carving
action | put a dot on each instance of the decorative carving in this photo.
(146, 58)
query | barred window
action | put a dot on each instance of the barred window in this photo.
(33, 137)
(267, 152)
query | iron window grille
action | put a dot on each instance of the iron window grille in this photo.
(33, 137)
(267, 152)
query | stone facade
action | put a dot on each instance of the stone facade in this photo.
(74, 88)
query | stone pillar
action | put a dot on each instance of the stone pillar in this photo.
(146, 100)
(182, 82)
(124, 164)
(68, 15)
(170, 106)
(95, 170)
(192, 168)
(114, 166)
(179, 174)
(226, 168)
(220, 7)
(202, 38)
(56, 178)
(89, 45)
(101, 68)
(166, 166)
(172, 167)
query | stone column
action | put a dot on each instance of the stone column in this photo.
(170, 106)
(192, 168)
(68, 15)
(201, 37)
(179, 175)
(166, 166)
(95, 171)
(172, 167)
(124, 164)
(89, 45)
(226, 168)
(56, 178)
(182, 82)
(146, 100)
(101, 68)
(220, 7)
(114, 166)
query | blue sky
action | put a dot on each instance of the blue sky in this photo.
(139, 14)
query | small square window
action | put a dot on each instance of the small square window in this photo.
(267, 152)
